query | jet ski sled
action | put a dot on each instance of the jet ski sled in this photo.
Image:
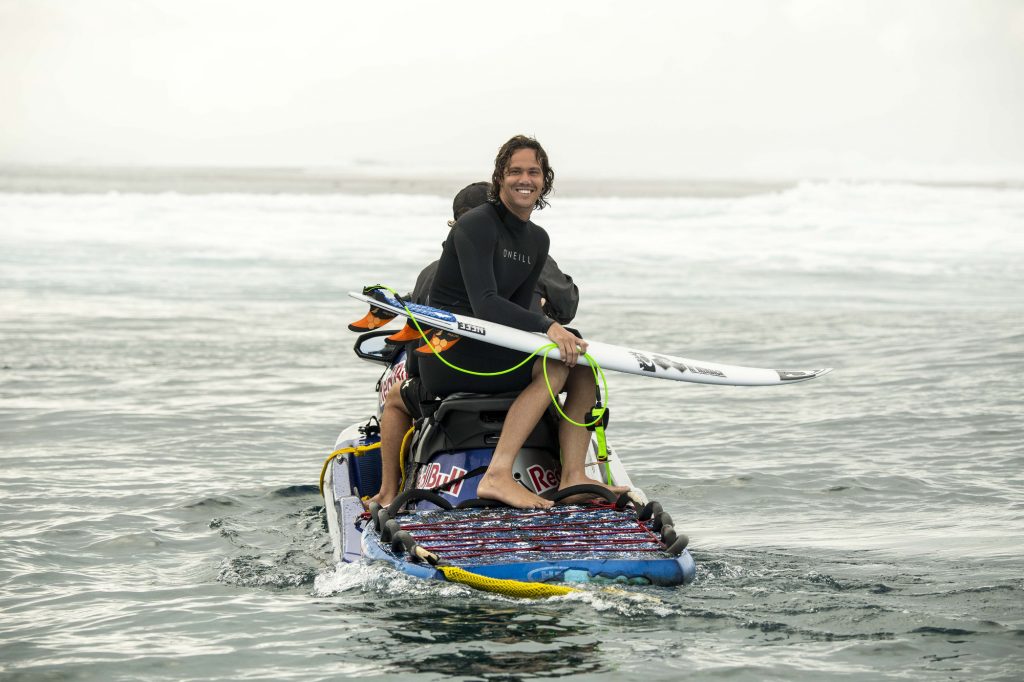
(437, 528)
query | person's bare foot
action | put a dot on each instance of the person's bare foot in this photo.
(568, 481)
(504, 488)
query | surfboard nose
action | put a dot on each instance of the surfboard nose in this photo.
(794, 375)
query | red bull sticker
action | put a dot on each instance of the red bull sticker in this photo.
(431, 477)
(542, 479)
(395, 375)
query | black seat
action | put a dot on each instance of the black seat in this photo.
(467, 421)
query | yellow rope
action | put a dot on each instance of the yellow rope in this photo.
(401, 455)
(510, 588)
(358, 450)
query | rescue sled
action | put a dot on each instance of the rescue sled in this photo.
(437, 528)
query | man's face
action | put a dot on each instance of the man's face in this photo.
(522, 183)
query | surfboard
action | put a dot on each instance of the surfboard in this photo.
(608, 356)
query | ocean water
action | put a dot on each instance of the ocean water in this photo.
(175, 369)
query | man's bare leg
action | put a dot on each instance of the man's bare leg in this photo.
(574, 440)
(497, 482)
(395, 421)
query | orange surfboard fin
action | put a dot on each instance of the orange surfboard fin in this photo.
(372, 320)
(440, 340)
(407, 333)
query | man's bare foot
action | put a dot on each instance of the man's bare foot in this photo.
(568, 481)
(504, 488)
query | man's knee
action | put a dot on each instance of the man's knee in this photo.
(393, 400)
(557, 371)
(582, 378)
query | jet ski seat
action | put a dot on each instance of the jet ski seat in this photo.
(468, 421)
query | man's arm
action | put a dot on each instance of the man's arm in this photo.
(475, 243)
(561, 296)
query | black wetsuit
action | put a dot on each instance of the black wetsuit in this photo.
(560, 295)
(489, 268)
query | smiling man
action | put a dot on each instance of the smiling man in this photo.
(489, 269)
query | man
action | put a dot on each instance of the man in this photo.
(489, 268)
(556, 295)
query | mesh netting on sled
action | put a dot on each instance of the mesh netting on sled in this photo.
(483, 536)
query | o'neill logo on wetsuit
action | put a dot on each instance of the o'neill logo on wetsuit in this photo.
(516, 256)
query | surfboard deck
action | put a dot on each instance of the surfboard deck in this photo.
(608, 356)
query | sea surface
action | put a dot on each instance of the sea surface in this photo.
(175, 369)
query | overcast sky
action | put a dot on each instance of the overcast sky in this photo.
(709, 89)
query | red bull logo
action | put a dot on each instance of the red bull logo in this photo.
(431, 477)
(396, 375)
(541, 478)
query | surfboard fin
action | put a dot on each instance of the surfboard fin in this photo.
(407, 333)
(372, 320)
(440, 341)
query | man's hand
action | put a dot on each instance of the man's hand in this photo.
(569, 345)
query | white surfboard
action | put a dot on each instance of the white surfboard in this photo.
(608, 356)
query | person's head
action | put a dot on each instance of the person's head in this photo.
(522, 175)
(469, 197)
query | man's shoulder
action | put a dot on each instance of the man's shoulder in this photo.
(541, 233)
(484, 214)
(423, 283)
(429, 270)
